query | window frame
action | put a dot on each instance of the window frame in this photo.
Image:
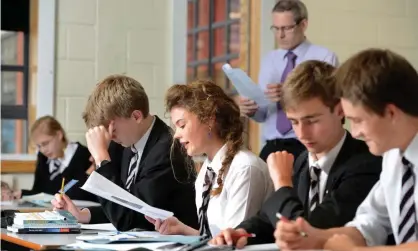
(41, 73)
(194, 32)
(16, 112)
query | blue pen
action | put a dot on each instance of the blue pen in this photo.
(68, 186)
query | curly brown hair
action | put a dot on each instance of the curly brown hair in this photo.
(208, 101)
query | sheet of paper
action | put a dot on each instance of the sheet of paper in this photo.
(245, 85)
(156, 246)
(104, 226)
(100, 186)
(122, 247)
(8, 203)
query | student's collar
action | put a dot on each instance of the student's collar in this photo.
(411, 152)
(299, 50)
(216, 163)
(327, 161)
(140, 144)
(65, 160)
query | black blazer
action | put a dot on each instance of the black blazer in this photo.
(76, 169)
(162, 182)
(351, 177)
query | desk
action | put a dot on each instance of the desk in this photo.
(38, 241)
(54, 241)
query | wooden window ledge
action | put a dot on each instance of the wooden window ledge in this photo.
(18, 166)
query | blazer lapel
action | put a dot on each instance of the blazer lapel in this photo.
(345, 153)
(159, 129)
(304, 183)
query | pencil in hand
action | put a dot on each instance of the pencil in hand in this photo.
(62, 186)
(284, 219)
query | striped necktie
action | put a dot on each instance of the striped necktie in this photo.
(315, 173)
(56, 169)
(133, 168)
(407, 220)
(207, 188)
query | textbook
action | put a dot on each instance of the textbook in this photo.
(59, 221)
(43, 230)
(57, 217)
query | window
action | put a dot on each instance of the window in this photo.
(213, 39)
(14, 75)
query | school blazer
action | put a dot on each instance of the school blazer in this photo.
(162, 181)
(76, 169)
(351, 177)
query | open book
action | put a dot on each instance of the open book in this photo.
(102, 187)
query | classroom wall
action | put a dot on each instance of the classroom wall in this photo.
(348, 26)
(95, 38)
(99, 38)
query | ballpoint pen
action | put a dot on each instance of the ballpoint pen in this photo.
(284, 219)
(243, 235)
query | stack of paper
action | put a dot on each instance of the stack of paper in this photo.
(100, 186)
(59, 221)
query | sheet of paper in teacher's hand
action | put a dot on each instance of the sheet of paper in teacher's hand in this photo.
(100, 186)
(245, 85)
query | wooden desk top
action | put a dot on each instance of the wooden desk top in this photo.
(38, 241)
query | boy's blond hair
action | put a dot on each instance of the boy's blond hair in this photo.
(116, 96)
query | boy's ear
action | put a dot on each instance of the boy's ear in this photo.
(60, 135)
(137, 115)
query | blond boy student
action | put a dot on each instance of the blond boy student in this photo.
(150, 168)
(379, 91)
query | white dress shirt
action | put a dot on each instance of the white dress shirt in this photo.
(139, 147)
(66, 159)
(378, 215)
(325, 163)
(247, 185)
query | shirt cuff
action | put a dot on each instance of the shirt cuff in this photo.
(371, 235)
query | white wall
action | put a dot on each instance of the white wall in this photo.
(347, 26)
(96, 38)
(144, 39)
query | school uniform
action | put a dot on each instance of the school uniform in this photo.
(246, 186)
(73, 165)
(391, 206)
(154, 172)
(326, 192)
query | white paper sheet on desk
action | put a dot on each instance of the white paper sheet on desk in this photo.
(245, 85)
(100, 186)
(85, 245)
(103, 226)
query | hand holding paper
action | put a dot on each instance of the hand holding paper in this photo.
(273, 92)
(247, 106)
(100, 186)
(245, 85)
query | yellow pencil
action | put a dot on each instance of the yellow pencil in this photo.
(62, 186)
